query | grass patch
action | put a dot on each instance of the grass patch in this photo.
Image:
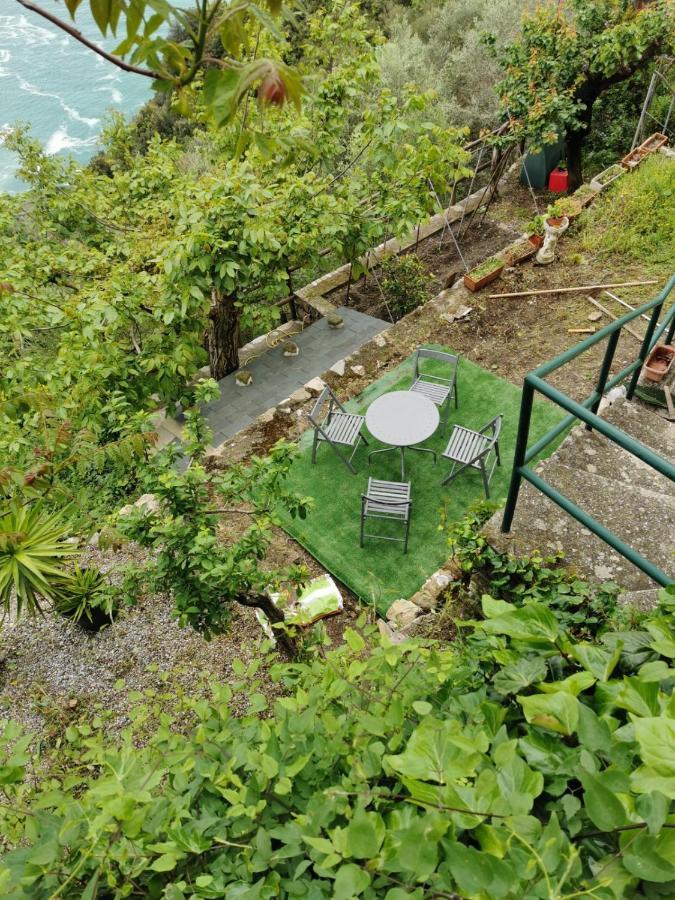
(380, 573)
(635, 218)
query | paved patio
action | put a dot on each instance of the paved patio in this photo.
(276, 376)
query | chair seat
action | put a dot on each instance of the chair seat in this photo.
(343, 428)
(465, 444)
(437, 393)
(381, 495)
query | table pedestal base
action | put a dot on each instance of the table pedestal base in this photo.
(402, 452)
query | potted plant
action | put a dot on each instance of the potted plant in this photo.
(535, 230)
(659, 362)
(607, 176)
(483, 274)
(569, 207)
(651, 145)
(558, 180)
(243, 378)
(555, 216)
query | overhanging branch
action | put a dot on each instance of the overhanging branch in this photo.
(74, 33)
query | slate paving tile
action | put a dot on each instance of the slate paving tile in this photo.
(275, 376)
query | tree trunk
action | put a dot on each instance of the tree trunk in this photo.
(223, 336)
(275, 616)
(574, 141)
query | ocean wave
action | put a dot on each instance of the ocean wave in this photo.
(19, 30)
(68, 110)
(60, 140)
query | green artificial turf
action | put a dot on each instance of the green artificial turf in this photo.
(380, 573)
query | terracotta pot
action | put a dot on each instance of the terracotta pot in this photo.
(555, 221)
(536, 239)
(483, 280)
(659, 362)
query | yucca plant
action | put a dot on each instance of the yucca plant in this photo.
(32, 546)
(84, 597)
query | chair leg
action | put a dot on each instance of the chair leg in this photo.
(407, 532)
(446, 416)
(456, 397)
(486, 480)
(363, 519)
(314, 445)
(345, 460)
(499, 459)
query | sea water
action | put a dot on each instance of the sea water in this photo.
(64, 91)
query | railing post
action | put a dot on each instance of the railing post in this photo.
(644, 349)
(519, 454)
(604, 370)
(671, 329)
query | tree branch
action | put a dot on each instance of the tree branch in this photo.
(74, 33)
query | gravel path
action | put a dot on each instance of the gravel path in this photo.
(52, 671)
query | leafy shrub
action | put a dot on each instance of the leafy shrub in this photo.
(86, 598)
(525, 764)
(404, 283)
(583, 609)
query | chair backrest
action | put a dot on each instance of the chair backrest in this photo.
(326, 396)
(388, 494)
(450, 359)
(493, 428)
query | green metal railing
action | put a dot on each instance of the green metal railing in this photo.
(587, 412)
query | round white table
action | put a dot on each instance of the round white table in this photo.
(402, 419)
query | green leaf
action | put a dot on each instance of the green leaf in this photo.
(639, 697)
(656, 737)
(557, 712)
(651, 858)
(596, 660)
(354, 640)
(164, 863)
(350, 881)
(519, 675)
(604, 808)
(663, 637)
(531, 622)
(573, 684)
(654, 810)
(422, 708)
(364, 835)
(438, 751)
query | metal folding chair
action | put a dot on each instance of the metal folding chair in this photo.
(439, 389)
(338, 427)
(472, 449)
(386, 500)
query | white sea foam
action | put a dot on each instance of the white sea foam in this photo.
(68, 110)
(61, 140)
(19, 30)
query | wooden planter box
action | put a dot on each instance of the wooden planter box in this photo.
(585, 195)
(476, 284)
(521, 251)
(654, 142)
(607, 176)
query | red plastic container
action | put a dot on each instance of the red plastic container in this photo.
(558, 180)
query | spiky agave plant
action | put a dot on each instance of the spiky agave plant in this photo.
(32, 546)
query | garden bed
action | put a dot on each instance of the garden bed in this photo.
(441, 262)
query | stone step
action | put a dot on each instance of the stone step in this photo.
(593, 453)
(641, 422)
(642, 600)
(644, 519)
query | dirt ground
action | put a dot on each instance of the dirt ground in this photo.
(443, 257)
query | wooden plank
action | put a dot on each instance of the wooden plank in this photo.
(572, 290)
(611, 315)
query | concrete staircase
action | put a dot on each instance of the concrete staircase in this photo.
(618, 490)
